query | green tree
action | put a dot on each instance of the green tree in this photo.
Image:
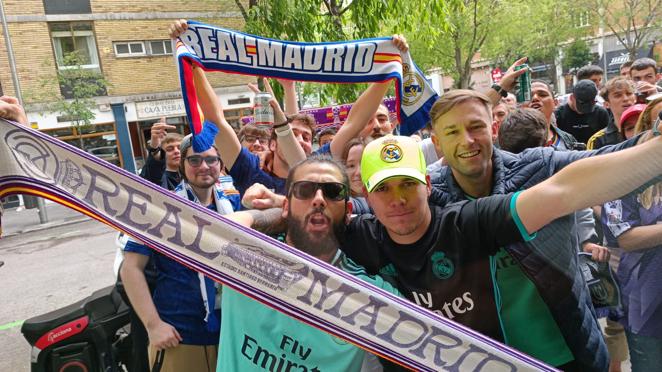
(576, 54)
(499, 31)
(633, 22)
(339, 20)
(77, 88)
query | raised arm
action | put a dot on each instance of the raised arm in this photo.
(364, 108)
(589, 182)
(290, 147)
(10, 109)
(289, 97)
(507, 82)
(226, 140)
(361, 113)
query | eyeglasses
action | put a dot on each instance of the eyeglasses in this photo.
(196, 160)
(252, 139)
(305, 190)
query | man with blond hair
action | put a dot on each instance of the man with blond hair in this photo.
(560, 310)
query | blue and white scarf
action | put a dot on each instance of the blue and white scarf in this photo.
(359, 61)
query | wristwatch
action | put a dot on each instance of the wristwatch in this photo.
(500, 90)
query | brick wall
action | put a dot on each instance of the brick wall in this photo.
(24, 7)
(35, 64)
(133, 6)
(137, 75)
(35, 59)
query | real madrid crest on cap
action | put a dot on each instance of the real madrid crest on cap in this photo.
(391, 152)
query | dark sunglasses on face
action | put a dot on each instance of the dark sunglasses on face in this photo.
(196, 160)
(304, 190)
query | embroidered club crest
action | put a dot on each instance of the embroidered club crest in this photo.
(412, 86)
(391, 153)
(442, 267)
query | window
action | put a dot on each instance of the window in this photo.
(141, 48)
(77, 38)
(239, 101)
(130, 49)
(67, 7)
(582, 19)
(160, 47)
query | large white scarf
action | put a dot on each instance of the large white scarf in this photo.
(273, 273)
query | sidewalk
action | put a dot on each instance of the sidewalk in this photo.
(18, 220)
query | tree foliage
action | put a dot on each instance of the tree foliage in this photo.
(77, 88)
(340, 20)
(633, 22)
(576, 54)
(502, 31)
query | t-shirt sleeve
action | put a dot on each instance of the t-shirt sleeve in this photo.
(619, 216)
(244, 170)
(137, 247)
(492, 222)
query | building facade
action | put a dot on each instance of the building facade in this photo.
(127, 42)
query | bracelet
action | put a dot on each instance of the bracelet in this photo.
(287, 121)
(655, 130)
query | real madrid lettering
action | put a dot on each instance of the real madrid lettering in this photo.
(215, 44)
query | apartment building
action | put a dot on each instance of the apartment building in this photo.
(127, 42)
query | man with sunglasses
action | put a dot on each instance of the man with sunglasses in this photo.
(256, 337)
(437, 257)
(181, 318)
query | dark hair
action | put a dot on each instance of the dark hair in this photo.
(546, 84)
(252, 130)
(316, 159)
(332, 131)
(307, 119)
(587, 71)
(187, 144)
(522, 129)
(643, 64)
(624, 65)
(348, 146)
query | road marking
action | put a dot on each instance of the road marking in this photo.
(11, 325)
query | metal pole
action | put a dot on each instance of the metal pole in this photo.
(43, 217)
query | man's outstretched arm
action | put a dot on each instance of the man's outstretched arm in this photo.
(589, 182)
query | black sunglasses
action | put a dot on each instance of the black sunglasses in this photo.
(196, 160)
(305, 190)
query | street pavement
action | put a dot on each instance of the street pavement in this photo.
(46, 267)
(16, 221)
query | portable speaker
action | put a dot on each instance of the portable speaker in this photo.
(78, 357)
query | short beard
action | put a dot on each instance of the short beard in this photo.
(314, 245)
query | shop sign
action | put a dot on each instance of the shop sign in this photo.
(164, 107)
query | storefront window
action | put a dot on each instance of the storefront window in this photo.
(99, 140)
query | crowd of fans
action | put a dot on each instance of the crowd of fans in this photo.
(440, 218)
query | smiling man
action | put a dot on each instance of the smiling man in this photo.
(180, 317)
(446, 259)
